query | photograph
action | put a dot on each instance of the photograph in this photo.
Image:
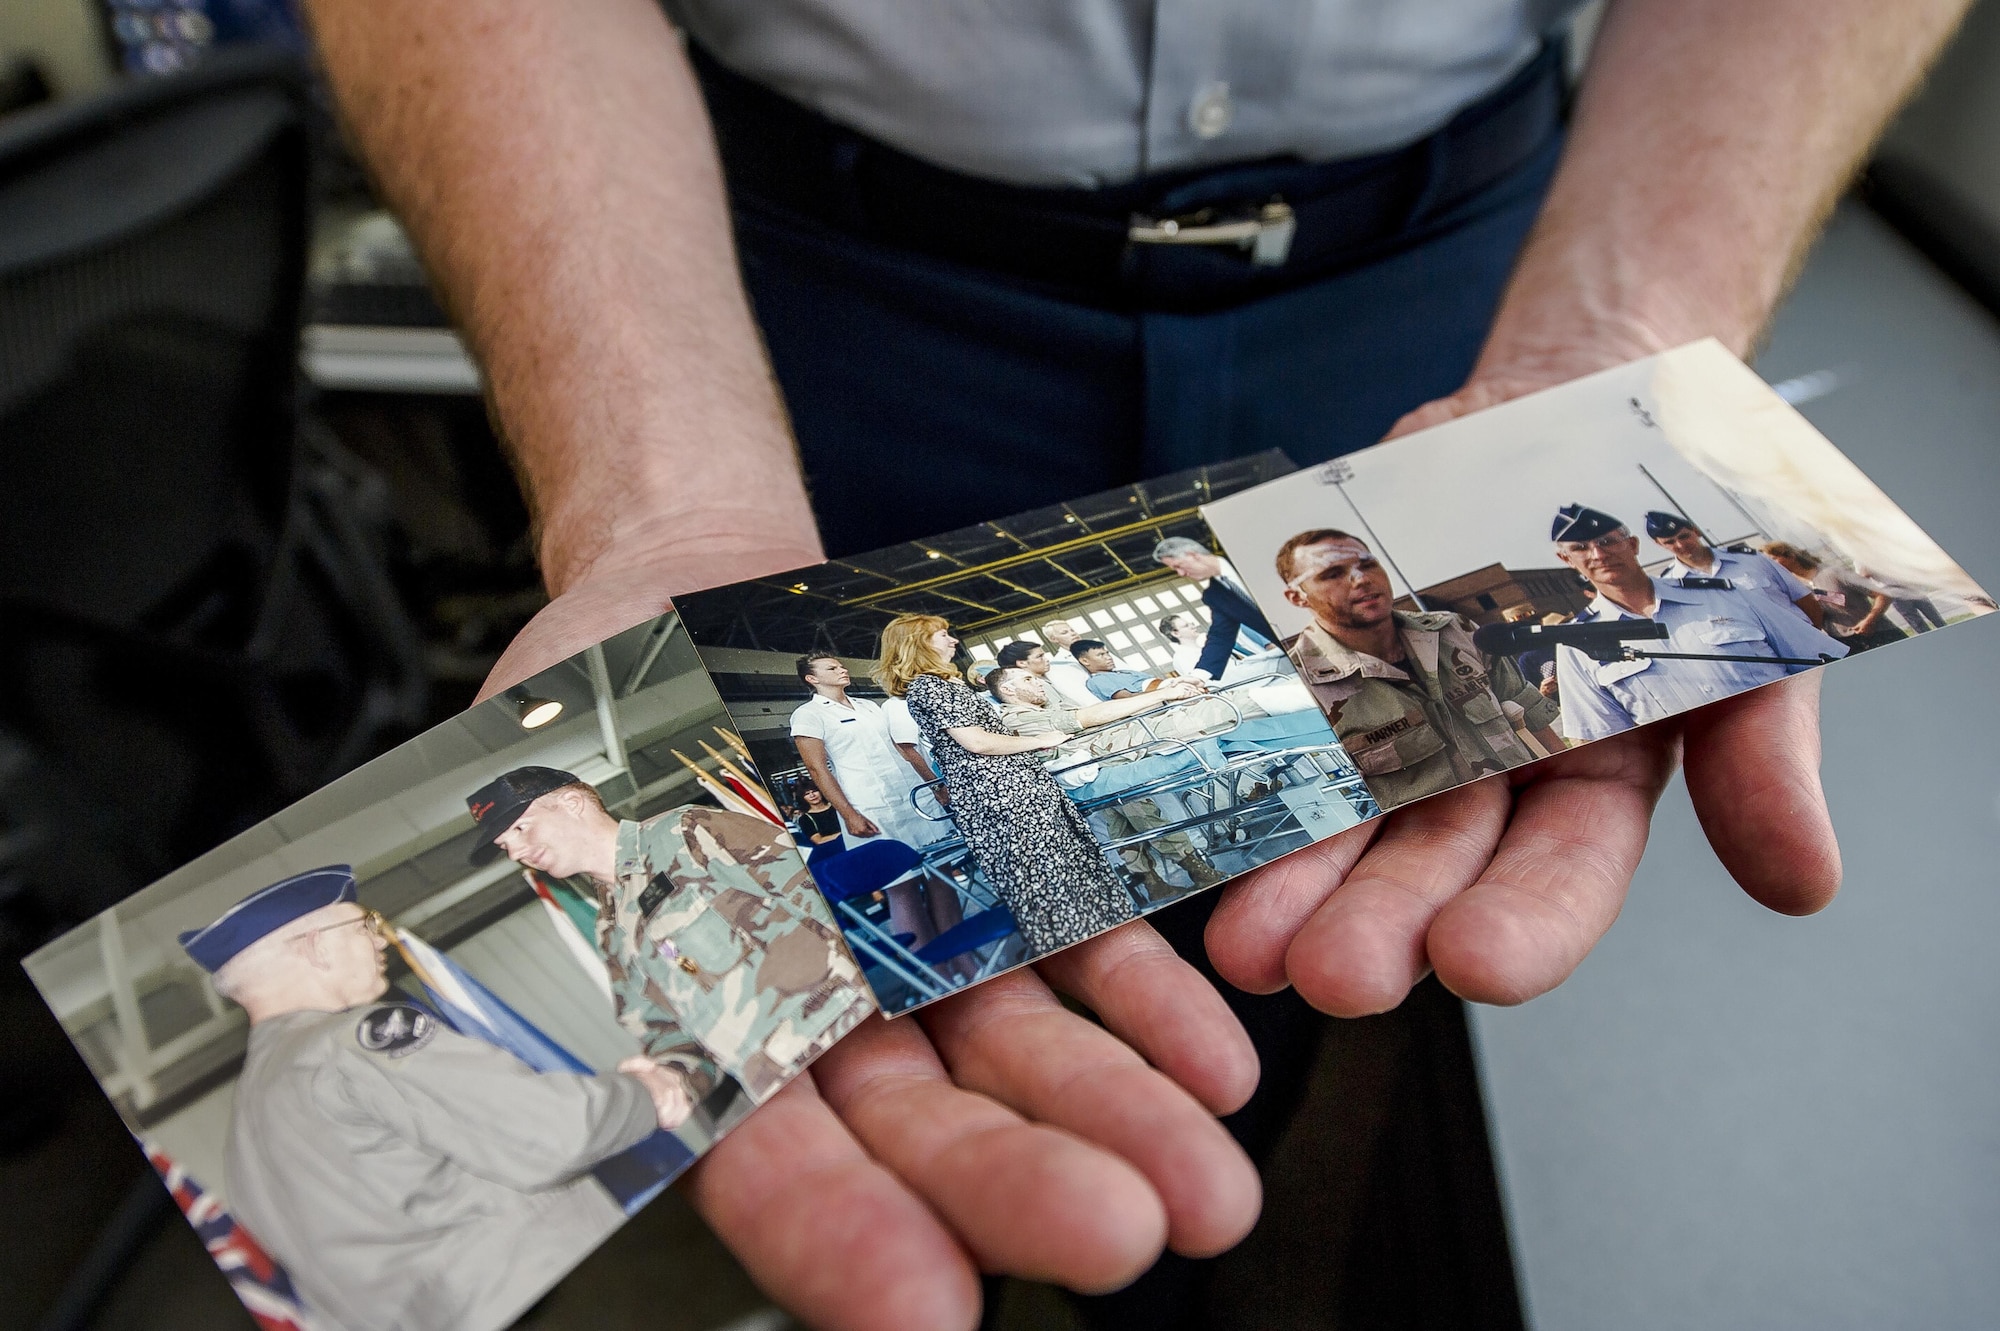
(1010, 738)
(410, 1050)
(1476, 596)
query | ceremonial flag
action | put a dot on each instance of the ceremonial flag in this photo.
(254, 1275)
(575, 922)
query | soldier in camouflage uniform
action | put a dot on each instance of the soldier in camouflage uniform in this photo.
(721, 954)
(1418, 707)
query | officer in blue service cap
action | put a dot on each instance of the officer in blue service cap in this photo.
(1697, 563)
(499, 804)
(1707, 618)
(265, 911)
(404, 1174)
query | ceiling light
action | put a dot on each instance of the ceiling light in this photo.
(533, 712)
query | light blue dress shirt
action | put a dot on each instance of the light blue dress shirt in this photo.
(1604, 698)
(1752, 572)
(1087, 93)
(1105, 683)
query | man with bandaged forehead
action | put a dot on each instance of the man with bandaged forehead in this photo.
(1418, 707)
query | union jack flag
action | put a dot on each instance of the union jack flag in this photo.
(254, 1274)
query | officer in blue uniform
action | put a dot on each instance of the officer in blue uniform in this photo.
(1704, 616)
(1694, 557)
(409, 1178)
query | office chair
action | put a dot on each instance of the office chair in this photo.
(196, 622)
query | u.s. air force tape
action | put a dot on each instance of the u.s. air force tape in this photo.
(394, 1029)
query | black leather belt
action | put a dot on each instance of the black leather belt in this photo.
(1192, 240)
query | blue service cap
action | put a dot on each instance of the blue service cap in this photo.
(265, 911)
(1660, 524)
(1574, 522)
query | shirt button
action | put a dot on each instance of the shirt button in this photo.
(1211, 111)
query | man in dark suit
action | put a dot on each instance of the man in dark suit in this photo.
(1230, 608)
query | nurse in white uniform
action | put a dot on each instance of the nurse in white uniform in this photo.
(868, 778)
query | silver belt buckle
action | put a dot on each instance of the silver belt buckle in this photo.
(1267, 235)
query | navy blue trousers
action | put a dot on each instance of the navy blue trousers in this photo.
(928, 396)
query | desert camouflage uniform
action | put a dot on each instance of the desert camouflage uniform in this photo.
(1417, 731)
(722, 956)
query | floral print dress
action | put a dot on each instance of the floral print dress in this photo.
(1029, 840)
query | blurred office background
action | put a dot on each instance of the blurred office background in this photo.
(255, 530)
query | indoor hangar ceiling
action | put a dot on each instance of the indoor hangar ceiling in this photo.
(998, 572)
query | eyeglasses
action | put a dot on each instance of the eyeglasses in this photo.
(371, 921)
(1604, 542)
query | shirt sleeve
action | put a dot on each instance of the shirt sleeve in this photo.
(1221, 639)
(948, 703)
(1792, 634)
(902, 726)
(1588, 710)
(809, 721)
(481, 1107)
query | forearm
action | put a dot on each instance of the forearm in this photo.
(1710, 139)
(812, 753)
(1119, 709)
(990, 745)
(915, 758)
(554, 165)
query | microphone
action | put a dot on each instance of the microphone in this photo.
(1604, 642)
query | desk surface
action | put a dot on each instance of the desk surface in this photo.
(1731, 1119)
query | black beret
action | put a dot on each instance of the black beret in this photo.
(1660, 524)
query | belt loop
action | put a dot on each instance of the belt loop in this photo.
(1437, 169)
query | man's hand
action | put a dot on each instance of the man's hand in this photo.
(997, 1131)
(671, 1101)
(859, 824)
(1709, 140)
(1502, 886)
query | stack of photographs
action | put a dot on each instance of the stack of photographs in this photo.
(409, 1050)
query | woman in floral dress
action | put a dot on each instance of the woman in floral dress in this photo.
(1026, 836)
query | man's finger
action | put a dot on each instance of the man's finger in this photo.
(1753, 773)
(1148, 997)
(1260, 913)
(1364, 949)
(1011, 1039)
(1027, 1199)
(1558, 877)
(825, 1230)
